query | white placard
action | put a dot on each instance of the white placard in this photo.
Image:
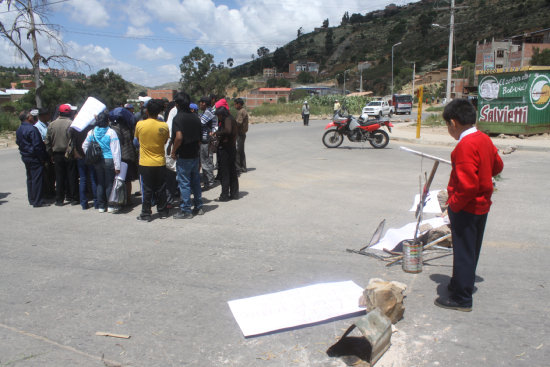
(393, 236)
(123, 169)
(295, 307)
(432, 203)
(87, 113)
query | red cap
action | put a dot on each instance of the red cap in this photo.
(65, 108)
(222, 103)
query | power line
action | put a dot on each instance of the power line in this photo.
(36, 7)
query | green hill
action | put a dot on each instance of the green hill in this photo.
(369, 37)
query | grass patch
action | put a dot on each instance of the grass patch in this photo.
(435, 119)
(272, 109)
(8, 122)
(435, 109)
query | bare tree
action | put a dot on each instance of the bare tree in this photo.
(29, 22)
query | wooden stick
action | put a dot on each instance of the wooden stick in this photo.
(393, 252)
(426, 155)
(102, 333)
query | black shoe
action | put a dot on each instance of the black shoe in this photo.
(206, 187)
(451, 305)
(41, 205)
(144, 218)
(183, 215)
(222, 199)
(75, 202)
(164, 214)
(58, 203)
(137, 193)
(234, 197)
(198, 211)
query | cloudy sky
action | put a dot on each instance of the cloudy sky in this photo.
(144, 41)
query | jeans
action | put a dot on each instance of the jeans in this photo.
(85, 171)
(207, 163)
(105, 176)
(153, 180)
(189, 182)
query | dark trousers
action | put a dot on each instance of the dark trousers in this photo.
(467, 230)
(65, 178)
(35, 177)
(171, 186)
(49, 180)
(228, 172)
(240, 161)
(153, 180)
(306, 119)
(105, 177)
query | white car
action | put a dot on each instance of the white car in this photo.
(377, 109)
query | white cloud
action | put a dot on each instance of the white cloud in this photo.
(152, 54)
(138, 32)
(89, 12)
(169, 72)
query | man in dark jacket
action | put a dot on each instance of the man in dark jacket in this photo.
(57, 141)
(33, 154)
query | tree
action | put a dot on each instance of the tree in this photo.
(194, 68)
(345, 19)
(280, 59)
(305, 77)
(216, 82)
(263, 52)
(230, 62)
(108, 87)
(29, 22)
(300, 33)
(540, 58)
(325, 23)
(329, 42)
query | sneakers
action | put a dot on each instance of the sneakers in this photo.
(450, 304)
(112, 210)
(101, 210)
(223, 199)
(198, 211)
(183, 215)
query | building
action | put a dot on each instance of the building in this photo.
(511, 53)
(162, 93)
(296, 67)
(14, 94)
(259, 96)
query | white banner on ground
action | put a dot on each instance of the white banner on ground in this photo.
(295, 307)
(393, 236)
(87, 113)
(432, 203)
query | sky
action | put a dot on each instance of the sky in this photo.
(144, 41)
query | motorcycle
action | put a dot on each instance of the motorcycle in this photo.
(357, 131)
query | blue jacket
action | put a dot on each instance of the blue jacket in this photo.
(29, 140)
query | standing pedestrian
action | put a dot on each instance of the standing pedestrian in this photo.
(209, 123)
(242, 129)
(152, 134)
(33, 154)
(475, 161)
(186, 135)
(305, 113)
(227, 135)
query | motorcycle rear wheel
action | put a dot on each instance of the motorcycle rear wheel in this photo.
(332, 138)
(379, 139)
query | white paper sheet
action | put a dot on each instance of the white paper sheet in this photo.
(295, 307)
(86, 114)
(123, 170)
(393, 236)
(432, 204)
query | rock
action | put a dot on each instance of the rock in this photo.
(521, 136)
(508, 150)
(442, 197)
(502, 136)
(387, 296)
(439, 232)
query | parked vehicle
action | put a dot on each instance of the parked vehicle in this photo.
(357, 131)
(377, 108)
(402, 103)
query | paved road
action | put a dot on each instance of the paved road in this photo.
(67, 273)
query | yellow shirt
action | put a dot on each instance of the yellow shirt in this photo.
(152, 135)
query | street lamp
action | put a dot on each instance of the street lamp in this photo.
(450, 56)
(397, 44)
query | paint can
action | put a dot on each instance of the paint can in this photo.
(412, 256)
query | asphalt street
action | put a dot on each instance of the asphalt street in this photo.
(66, 273)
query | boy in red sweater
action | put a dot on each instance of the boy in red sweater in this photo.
(475, 161)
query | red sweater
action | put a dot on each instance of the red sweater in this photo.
(475, 161)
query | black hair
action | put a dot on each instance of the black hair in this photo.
(206, 100)
(222, 112)
(154, 106)
(213, 97)
(239, 101)
(102, 120)
(182, 100)
(460, 110)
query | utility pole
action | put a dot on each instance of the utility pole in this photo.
(450, 60)
(414, 69)
(397, 44)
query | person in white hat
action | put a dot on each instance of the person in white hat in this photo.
(305, 113)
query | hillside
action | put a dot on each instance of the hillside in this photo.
(369, 37)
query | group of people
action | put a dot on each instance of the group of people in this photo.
(165, 145)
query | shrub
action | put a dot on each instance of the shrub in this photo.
(8, 121)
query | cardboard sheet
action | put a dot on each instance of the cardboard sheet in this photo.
(296, 307)
(87, 113)
(432, 204)
(393, 236)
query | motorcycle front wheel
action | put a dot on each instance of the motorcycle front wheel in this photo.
(332, 138)
(379, 139)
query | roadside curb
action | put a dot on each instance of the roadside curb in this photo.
(499, 145)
